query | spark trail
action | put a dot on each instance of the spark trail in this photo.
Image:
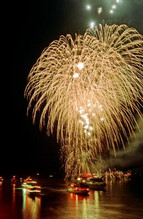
(89, 88)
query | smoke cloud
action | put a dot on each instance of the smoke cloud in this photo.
(131, 157)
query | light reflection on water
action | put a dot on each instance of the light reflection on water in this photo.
(31, 206)
(84, 207)
(119, 201)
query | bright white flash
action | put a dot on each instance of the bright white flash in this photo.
(92, 24)
(99, 10)
(88, 7)
(80, 65)
(75, 75)
(114, 6)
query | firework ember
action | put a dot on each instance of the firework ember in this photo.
(87, 90)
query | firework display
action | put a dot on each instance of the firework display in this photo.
(87, 90)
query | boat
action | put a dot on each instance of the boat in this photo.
(1, 179)
(78, 188)
(31, 186)
(28, 182)
(91, 180)
(96, 183)
(33, 190)
(13, 180)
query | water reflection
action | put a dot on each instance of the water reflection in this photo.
(117, 202)
(78, 205)
(85, 206)
(31, 206)
(0, 191)
(13, 195)
(120, 200)
(13, 201)
(96, 198)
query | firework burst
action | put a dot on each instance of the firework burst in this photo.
(87, 90)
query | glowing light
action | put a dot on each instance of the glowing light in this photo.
(114, 6)
(78, 178)
(88, 7)
(89, 104)
(80, 65)
(111, 94)
(86, 126)
(92, 24)
(102, 118)
(99, 10)
(75, 75)
(111, 11)
(91, 128)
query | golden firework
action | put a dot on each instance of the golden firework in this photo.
(88, 90)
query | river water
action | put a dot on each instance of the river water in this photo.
(120, 200)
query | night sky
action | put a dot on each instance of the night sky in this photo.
(29, 27)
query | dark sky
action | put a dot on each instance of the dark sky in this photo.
(27, 28)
